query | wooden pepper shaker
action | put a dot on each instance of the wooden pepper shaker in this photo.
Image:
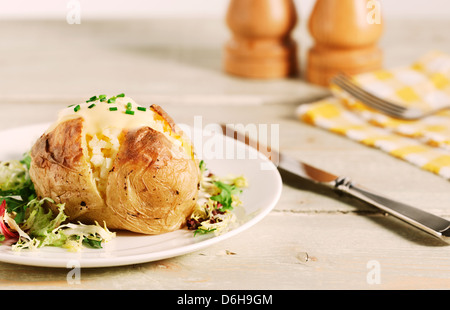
(261, 45)
(345, 33)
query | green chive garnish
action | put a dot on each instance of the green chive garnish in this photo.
(93, 98)
(77, 108)
(141, 109)
(113, 109)
(91, 106)
(121, 95)
(129, 106)
(101, 97)
(112, 100)
(129, 112)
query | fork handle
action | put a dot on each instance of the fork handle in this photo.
(430, 223)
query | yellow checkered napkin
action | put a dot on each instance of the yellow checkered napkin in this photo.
(424, 143)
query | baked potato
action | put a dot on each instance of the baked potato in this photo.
(114, 162)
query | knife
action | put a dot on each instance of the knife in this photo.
(430, 223)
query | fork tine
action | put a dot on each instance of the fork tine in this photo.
(347, 80)
(370, 103)
(397, 111)
(367, 98)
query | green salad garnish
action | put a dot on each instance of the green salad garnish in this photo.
(27, 223)
(220, 195)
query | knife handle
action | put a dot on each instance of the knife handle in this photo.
(430, 223)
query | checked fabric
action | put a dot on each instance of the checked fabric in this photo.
(425, 84)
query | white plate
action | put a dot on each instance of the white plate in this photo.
(128, 248)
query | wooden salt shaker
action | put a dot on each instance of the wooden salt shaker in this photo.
(345, 33)
(261, 45)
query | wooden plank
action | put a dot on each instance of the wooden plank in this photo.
(284, 251)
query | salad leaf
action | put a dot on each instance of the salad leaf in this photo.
(16, 187)
(202, 166)
(207, 218)
(43, 228)
(218, 197)
(225, 196)
(27, 219)
(92, 243)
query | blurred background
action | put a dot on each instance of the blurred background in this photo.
(56, 9)
(167, 51)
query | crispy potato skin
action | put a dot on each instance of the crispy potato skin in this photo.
(60, 171)
(152, 187)
(155, 184)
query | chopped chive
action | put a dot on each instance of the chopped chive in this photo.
(129, 112)
(112, 100)
(113, 109)
(70, 105)
(121, 95)
(91, 106)
(129, 106)
(101, 97)
(93, 98)
(77, 108)
(141, 109)
(103, 100)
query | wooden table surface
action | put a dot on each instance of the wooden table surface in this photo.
(313, 238)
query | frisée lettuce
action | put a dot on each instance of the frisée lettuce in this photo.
(26, 222)
(16, 187)
(219, 196)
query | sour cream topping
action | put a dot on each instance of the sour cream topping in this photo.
(124, 113)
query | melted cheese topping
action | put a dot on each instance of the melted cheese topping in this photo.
(102, 131)
(99, 117)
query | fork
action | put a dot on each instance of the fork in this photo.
(382, 105)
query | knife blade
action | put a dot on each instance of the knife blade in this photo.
(430, 223)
